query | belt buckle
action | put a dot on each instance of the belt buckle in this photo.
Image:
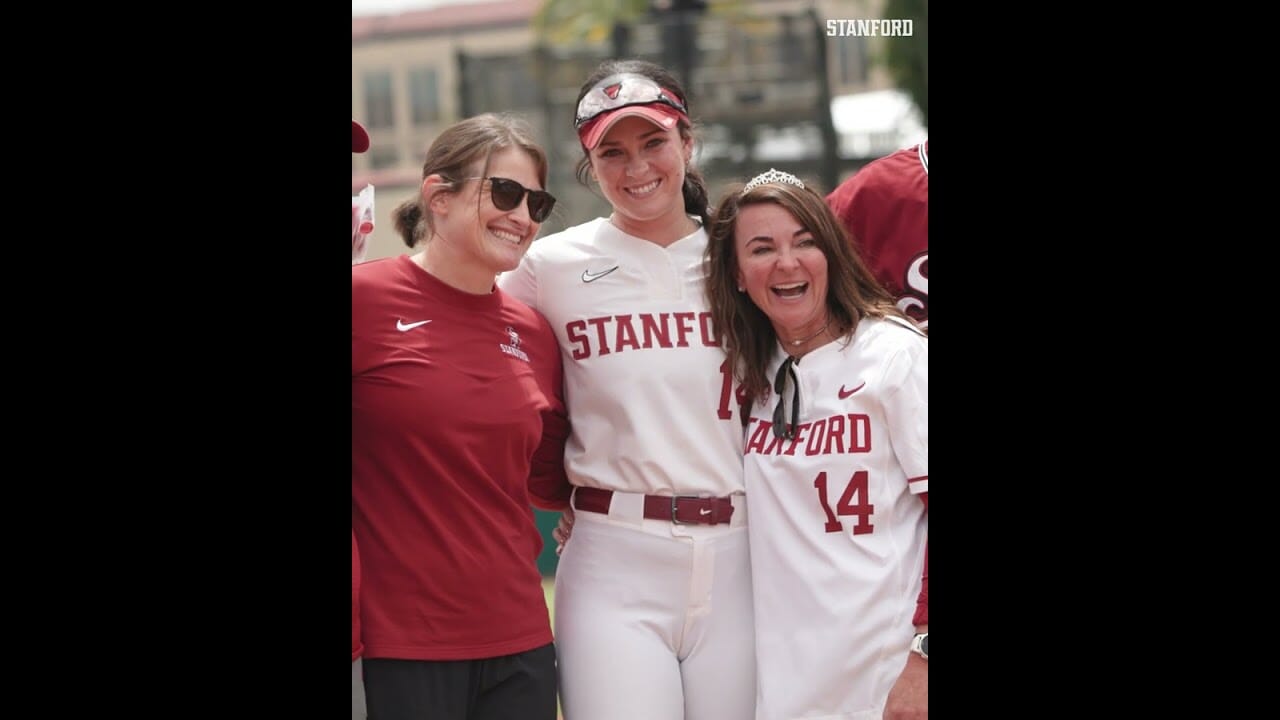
(675, 498)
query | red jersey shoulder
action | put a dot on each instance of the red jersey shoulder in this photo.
(885, 208)
(897, 174)
(516, 311)
(529, 324)
(373, 274)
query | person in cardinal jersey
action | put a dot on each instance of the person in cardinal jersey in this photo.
(885, 208)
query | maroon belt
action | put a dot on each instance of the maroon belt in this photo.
(680, 509)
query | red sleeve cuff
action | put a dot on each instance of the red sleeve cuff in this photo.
(922, 612)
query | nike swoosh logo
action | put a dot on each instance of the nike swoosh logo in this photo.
(402, 327)
(588, 276)
(704, 511)
(846, 393)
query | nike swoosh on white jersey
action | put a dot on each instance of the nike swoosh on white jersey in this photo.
(402, 327)
(846, 393)
(588, 276)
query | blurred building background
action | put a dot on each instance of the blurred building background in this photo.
(768, 87)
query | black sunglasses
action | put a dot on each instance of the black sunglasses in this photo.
(508, 193)
(782, 429)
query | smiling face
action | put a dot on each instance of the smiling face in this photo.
(782, 268)
(640, 168)
(478, 237)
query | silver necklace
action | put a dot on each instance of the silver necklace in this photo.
(805, 340)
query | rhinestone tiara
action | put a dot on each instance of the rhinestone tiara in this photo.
(773, 176)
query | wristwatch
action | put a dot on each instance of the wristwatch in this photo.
(920, 645)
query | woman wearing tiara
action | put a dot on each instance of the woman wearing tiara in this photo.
(836, 458)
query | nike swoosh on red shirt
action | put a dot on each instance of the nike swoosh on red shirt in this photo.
(846, 393)
(403, 326)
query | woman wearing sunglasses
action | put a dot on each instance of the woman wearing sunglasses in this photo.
(836, 457)
(457, 424)
(653, 595)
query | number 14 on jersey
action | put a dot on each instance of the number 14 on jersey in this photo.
(852, 502)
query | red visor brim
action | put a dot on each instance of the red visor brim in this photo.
(662, 115)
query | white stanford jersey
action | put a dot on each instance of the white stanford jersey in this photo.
(647, 385)
(837, 534)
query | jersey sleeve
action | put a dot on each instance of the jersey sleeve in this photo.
(921, 615)
(522, 283)
(906, 408)
(849, 200)
(549, 487)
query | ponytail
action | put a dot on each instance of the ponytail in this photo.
(408, 219)
(695, 195)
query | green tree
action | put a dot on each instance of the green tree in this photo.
(572, 22)
(567, 22)
(907, 58)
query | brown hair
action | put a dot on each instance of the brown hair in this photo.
(463, 150)
(695, 187)
(852, 291)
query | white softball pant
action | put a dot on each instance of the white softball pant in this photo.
(653, 620)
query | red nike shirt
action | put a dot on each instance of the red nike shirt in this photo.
(457, 424)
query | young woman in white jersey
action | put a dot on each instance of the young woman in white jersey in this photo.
(653, 596)
(836, 458)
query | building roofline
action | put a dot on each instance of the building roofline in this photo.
(443, 19)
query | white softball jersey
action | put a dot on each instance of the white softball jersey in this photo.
(640, 353)
(837, 534)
